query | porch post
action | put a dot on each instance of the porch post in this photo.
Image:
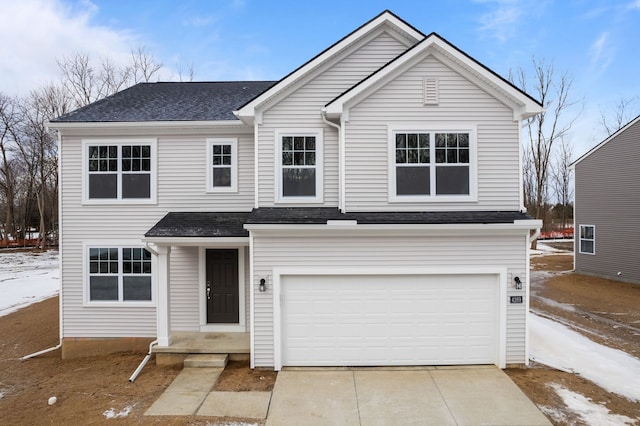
(163, 307)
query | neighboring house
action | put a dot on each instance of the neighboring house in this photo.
(607, 207)
(364, 210)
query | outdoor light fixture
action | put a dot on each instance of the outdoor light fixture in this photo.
(518, 283)
(263, 285)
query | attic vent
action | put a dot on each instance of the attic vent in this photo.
(430, 90)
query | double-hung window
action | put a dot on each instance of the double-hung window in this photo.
(587, 239)
(119, 274)
(299, 166)
(222, 166)
(431, 165)
(122, 171)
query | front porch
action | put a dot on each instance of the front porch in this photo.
(235, 345)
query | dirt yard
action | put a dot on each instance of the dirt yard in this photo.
(96, 390)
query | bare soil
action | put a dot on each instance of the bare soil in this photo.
(88, 389)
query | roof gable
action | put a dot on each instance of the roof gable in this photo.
(522, 104)
(384, 21)
(606, 141)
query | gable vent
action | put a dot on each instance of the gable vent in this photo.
(430, 90)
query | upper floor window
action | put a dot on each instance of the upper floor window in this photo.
(222, 166)
(587, 239)
(431, 165)
(299, 173)
(121, 171)
(119, 274)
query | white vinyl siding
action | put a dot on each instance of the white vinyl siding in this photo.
(301, 110)
(181, 186)
(401, 102)
(504, 251)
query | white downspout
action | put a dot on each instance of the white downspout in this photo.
(535, 235)
(341, 191)
(144, 361)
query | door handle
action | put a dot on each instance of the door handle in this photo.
(208, 290)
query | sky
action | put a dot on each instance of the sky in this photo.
(594, 41)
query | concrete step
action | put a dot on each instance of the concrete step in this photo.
(206, 360)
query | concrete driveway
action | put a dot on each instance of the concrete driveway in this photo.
(396, 396)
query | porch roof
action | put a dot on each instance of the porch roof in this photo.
(320, 215)
(200, 224)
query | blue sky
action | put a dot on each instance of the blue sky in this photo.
(595, 41)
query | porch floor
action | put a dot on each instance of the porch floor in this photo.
(184, 342)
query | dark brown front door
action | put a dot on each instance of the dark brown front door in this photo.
(222, 286)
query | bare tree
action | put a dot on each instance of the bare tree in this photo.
(561, 177)
(88, 80)
(622, 115)
(9, 121)
(544, 129)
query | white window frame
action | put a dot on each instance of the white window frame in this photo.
(86, 143)
(433, 197)
(319, 166)
(234, 164)
(120, 244)
(580, 239)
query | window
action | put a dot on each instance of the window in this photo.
(430, 165)
(222, 172)
(121, 171)
(587, 239)
(119, 274)
(300, 167)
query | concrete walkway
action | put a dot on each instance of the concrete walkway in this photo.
(367, 396)
(437, 396)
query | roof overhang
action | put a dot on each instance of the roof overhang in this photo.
(198, 241)
(153, 126)
(523, 105)
(249, 113)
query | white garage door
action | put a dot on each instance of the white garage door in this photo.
(389, 320)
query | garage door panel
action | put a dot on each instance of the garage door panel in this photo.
(389, 320)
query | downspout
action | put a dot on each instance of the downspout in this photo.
(535, 235)
(144, 361)
(341, 192)
(58, 346)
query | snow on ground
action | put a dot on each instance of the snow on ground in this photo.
(26, 278)
(111, 413)
(556, 345)
(544, 249)
(589, 412)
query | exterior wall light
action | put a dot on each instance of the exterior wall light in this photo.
(263, 285)
(518, 283)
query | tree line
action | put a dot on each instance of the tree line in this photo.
(28, 150)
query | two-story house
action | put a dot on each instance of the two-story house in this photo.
(366, 209)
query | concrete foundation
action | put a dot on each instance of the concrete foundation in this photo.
(81, 347)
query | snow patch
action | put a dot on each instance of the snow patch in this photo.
(555, 344)
(590, 412)
(112, 414)
(27, 278)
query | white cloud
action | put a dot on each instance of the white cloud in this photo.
(35, 33)
(601, 52)
(501, 19)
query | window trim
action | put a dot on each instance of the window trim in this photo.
(153, 190)
(580, 239)
(432, 197)
(319, 166)
(119, 244)
(234, 164)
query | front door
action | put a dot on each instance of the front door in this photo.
(222, 287)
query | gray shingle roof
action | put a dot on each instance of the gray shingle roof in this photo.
(170, 102)
(200, 224)
(210, 224)
(320, 215)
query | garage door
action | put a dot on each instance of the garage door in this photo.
(361, 320)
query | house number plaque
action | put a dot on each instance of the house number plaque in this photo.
(516, 299)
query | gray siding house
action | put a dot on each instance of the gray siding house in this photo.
(607, 207)
(366, 209)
